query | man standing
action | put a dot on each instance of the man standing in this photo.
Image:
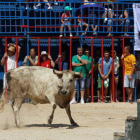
(79, 63)
(33, 59)
(129, 77)
(104, 75)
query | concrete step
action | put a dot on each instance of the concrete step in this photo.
(119, 136)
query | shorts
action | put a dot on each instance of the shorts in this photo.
(138, 76)
(127, 83)
(66, 24)
(88, 80)
(106, 82)
(81, 23)
(82, 83)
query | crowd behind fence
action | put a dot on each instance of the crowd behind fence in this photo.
(92, 18)
(93, 86)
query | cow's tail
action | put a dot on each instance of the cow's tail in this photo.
(2, 99)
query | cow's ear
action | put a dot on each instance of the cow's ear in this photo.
(58, 73)
(78, 75)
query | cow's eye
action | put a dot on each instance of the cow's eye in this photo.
(71, 80)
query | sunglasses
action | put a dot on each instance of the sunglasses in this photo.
(86, 52)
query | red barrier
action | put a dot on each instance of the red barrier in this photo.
(102, 56)
(92, 76)
(38, 48)
(70, 54)
(123, 44)
(60, 54)
(113, 80)
(49, 46)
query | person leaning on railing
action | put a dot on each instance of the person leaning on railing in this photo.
(129, 77)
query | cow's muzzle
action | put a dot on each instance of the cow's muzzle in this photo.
(64, 92)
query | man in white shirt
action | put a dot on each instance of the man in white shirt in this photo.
(10, 57)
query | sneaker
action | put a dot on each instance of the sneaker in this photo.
(55, 3)
(73, 102)
(34, 7)
(84, 33)
(71, 35)
(95, 33)
(82, 101)
(39, 4)
(50, 8)
(61, 36)
(105, 100)
(99, 101)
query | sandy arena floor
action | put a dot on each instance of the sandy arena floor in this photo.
(96, 121)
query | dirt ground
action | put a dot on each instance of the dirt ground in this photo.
(97, 121)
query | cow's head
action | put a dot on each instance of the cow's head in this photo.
(67, 80)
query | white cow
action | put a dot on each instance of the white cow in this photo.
(41, 85)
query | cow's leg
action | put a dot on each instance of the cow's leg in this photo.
(52, 101)
(69, 115)
(16, 108)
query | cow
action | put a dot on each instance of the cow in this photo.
(41, 85)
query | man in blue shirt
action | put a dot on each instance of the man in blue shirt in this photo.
(104, 74)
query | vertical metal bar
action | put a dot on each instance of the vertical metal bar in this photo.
(70, 61)
(16, 51)
(49, 46)
(6, 93)
(113, 83)
(38, 47)
(123, 69)
(102, 67)
(92, 76)
(60, 54)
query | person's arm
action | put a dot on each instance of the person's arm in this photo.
(32, 62)
(76, 64)
(125, 14)
(57, 60)
(52, 62)
(84, 62)
(133, 68)
(4, 59)
(108, 72)
(62, 18)
(19, 49)
(100, 71)
(79, 21)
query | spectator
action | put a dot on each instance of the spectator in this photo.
(116, 76)
(82, 21)
(138, 72)
(10, 57)
(27, 6)
(66, 20)
(88, 77)
(64, 64)
(79, 63)
(120, 18)
(47, 60)
(129, 77)
(87, 2)
(48, 4)
(104, 75)
(33, 59)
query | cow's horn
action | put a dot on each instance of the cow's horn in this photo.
(78, 75)
(58, 73)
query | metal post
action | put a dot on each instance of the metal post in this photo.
(60, 54)
(16, 51)
(123, 69)
(38, 47)
(113, 80)
(49, 46)
(92, 76)
(70, 53)
(102, 57)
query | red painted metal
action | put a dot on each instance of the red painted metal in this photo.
(92, 76)
(16, 51)
(38, 48)
(102, 56)
(70, 54)
(60, 54)
(49, 46)
(6, 92)
(113, 80)
(123, 44)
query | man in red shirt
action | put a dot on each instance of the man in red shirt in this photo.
(47, 60)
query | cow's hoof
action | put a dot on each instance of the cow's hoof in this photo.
(50, 121)
(18, 126)
(75, 124)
